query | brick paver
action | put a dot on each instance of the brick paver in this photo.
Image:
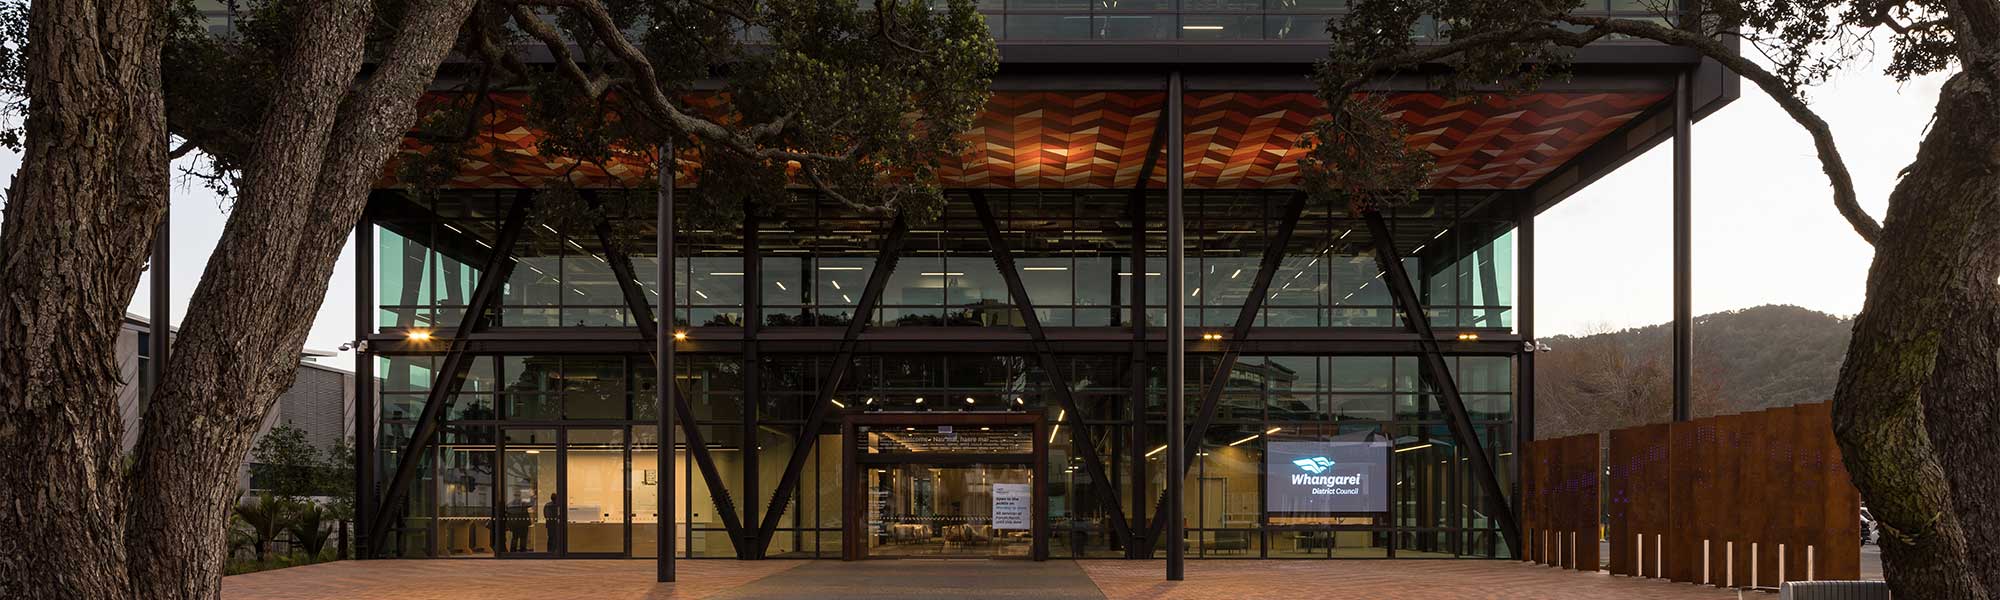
(1223, 579)
(1378, 580)
(525, 579)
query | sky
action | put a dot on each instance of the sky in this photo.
(1765, 230)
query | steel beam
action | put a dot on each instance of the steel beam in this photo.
(1246, 317)
(1176, 325)
(843, 359)
(1135, 406)
(642, 315)
(492, 278)
(1683, 248)
(1003, 258)
(1435, 370)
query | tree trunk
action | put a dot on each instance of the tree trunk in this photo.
(319, 152)
(79, 213)
(1935, 214)
(1960, 410)
(237, 352)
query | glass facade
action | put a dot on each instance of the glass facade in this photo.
(1072, 250)
(565, 432)
(555, 451)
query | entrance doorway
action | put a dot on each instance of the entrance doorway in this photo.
(928, 485)
(947, 511)
(563, 492)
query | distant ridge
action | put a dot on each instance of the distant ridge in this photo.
(1745, 360)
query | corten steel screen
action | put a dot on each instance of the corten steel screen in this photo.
(1326, 477)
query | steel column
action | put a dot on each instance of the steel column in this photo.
(1176, 329)
(1246, 317)
(665, 385)
(1003, 258)
(1434, 369)
(159, 328)
(364, 382)
(1683, 246)
(843, 359)
(753, 383)
(1524, 316)
(492, 277)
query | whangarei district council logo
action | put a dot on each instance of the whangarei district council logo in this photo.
(1314, 465)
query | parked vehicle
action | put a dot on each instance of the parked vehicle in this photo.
(1867, 527)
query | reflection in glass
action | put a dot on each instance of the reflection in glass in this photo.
(531, 509)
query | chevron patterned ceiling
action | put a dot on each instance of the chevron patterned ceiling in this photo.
(1098, 140)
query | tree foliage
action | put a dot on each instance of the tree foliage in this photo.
(286, 464)
(859, 101)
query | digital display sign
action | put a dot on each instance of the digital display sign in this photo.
(1337, 476)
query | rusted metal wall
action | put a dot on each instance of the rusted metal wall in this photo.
(1560, 487)
(1749, 499)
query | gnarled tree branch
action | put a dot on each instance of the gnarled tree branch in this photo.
(1844, 197)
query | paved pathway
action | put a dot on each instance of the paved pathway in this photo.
(455, 579)
(495, 579)
(921, 578)
(1379, 580)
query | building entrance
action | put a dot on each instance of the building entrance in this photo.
(926, 485)
(949, 511)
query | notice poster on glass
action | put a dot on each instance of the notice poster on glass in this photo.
(1336, 476)
(1010, 505)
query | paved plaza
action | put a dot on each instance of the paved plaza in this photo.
(1057, 579)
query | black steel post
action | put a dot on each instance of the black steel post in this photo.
(160, 328)
(1524, 316)
(664, 384)
(1683, 247)
(364, 382)
(1176, 330)
(753, 385)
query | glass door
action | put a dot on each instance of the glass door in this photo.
(950, 511)
(529, 494)
(563, 492)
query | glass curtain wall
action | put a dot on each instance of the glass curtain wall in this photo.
(1073, 252)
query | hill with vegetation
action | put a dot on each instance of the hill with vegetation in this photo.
(1744, 360)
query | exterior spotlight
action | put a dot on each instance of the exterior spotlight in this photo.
(1468, 337)
(420, 335)
(968, 400)
(920, 400)
(680, 336)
